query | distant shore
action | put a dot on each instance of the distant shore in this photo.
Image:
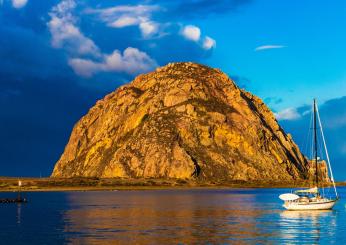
(10, 184)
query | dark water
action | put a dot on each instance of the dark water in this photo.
(168, 217)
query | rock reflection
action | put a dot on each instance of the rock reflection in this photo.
(157, 217)
(191, 217)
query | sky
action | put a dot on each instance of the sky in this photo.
(58, 57)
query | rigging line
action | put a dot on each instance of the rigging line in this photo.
(321, 157)
(306, 144)
(327, 169)
(308, 150)
(327, 155)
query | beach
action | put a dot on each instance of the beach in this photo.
(9, 184)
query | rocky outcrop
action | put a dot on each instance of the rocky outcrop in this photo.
(183, 120)
(322, 170)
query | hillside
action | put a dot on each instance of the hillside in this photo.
(183, 121)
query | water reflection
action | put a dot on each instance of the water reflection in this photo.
(161, 217)
(190, 217)
(19, 213)
(309, 226)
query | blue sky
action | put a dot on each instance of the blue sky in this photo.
(59, 56)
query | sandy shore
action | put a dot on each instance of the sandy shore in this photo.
(10, 184)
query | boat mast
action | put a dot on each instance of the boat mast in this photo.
(325, 148)
(315, 141)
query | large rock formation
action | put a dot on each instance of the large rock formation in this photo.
(183, 120)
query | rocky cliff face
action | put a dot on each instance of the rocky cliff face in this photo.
(183, 120)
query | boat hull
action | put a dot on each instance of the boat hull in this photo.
(322, 205)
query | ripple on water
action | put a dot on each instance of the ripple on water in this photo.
(168, 216)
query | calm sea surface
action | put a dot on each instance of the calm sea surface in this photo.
(229, 216)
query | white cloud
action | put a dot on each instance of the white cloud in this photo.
(191, 32)
(87, 59)
(141, 16)
(209, 43)
(288, 114)
(132, 61)
(65, 33)
(19, 3)
(124, 21)
(109, 14)
(306, 112)
(148, 28)
(130, 15)
(265, 47)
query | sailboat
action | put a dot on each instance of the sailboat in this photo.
(313, 198)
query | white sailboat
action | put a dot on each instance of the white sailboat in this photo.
(313, 198)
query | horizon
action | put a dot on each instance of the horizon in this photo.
(60, 57)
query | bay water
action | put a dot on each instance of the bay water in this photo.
(181, 216)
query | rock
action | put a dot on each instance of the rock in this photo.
(183, 120)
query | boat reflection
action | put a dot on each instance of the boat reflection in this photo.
(309, 226)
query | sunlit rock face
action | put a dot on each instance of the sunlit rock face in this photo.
(183, 120)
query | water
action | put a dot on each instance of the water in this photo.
(226, 216)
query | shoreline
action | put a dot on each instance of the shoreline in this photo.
(10, 184)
